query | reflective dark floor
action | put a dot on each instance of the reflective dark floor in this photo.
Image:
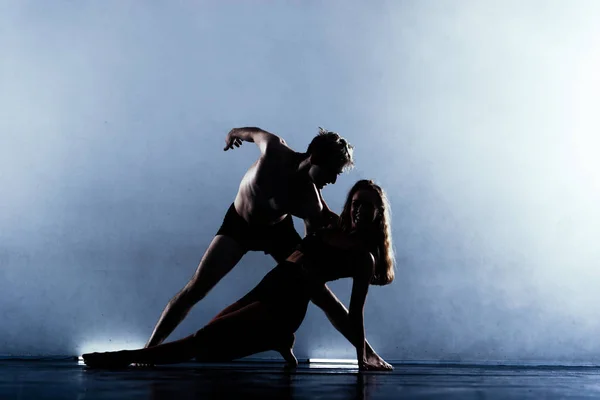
(68, 379)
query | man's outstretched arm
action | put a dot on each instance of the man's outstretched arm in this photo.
(338, 316)
(260, 137)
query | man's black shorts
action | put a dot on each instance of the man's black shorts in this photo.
(279, 240)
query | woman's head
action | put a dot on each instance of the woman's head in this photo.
(367, 210)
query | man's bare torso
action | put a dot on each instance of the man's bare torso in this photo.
(273, 187)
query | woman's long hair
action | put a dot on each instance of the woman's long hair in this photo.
(381, 235)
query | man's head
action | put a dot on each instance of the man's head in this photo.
(330, 155)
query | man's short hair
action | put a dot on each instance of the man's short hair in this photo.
(331, 150)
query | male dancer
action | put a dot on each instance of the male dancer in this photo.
(281, 183)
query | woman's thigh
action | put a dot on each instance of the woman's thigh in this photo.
(251, 329)
(247, 300)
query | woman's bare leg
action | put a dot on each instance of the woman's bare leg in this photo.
(167, 353)
(242, 330)
(285, 343)
(244, 301)
(246, 331)
(248, 299)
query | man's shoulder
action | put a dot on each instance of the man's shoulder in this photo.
(278, 147)
(280, 153)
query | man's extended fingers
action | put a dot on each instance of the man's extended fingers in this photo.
(237, 142)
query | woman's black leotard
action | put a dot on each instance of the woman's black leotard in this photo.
(287, 288)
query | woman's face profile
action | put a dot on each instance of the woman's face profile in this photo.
(364, 208)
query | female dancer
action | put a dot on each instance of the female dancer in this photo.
(266, 318)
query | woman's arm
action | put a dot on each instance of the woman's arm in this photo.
(360, 287)
(337, 314)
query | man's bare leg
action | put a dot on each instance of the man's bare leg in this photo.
(222, 255)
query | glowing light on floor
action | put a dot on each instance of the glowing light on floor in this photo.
(332, 361)
(106, 345)
(334, 366)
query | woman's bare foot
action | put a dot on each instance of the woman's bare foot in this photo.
(289, 357)
(285, 349)
(112, 359)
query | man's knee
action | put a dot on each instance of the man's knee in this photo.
(194, 293)
(188, 297)
(220, 258)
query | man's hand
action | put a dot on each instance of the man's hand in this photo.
(375, 363)
(232, 139)
(330, 219)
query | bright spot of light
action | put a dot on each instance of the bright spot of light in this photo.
(335, 366)
(102, 346)
(332, 361)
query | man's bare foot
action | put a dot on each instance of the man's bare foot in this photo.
(112, 359)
